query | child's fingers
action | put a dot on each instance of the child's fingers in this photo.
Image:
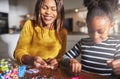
(76, 67)
(109, 62)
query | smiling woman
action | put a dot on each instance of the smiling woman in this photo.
(48, 13)
(43, 38)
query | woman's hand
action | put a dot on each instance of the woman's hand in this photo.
(75, 65)
(115, 64)
(39, 62)
(53, 63)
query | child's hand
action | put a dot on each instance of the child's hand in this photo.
(75, 65)
(115, 64)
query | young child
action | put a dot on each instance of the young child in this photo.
(100, 53)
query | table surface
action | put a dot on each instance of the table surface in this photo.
(64, 74)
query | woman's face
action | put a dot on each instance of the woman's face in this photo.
(48, 12)
(98, 28)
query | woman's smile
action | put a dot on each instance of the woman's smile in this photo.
(48, 18)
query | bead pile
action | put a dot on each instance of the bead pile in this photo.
(10, 70)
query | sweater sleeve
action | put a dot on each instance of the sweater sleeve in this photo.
(24, 41)
(72, 53)
(117, 54)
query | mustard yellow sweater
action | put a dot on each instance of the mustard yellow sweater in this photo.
(35, 42)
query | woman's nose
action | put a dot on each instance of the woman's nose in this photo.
(48, 11)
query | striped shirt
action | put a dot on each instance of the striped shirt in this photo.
(94, 56)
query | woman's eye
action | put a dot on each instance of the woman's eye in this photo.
(54, 9)
(44, 7)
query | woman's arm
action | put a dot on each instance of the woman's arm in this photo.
(24, 41)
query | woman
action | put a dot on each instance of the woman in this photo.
(43, 40)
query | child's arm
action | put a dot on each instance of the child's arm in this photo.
(115, 64)
(75, 65)
(68, 58)
(74, 52)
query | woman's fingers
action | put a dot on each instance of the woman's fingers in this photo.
(53, 64)
(49, 63)
(39, 63)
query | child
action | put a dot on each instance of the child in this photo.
(99, 54)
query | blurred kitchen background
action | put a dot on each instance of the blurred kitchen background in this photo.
(16, 12)
(13, 14)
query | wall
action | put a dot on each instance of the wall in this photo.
(73, 39)
(72, 4)
(4, 6)
(18, 8)
(80, 16)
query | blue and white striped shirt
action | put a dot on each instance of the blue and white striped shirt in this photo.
(94, 56)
